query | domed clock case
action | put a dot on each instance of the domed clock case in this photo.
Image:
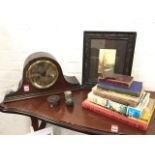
(42, 75)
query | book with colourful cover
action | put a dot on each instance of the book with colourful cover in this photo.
(147, 114)
(119, 97)
(135, 112)
(109, 104)
(134, 89)
(116, 79)
(137, 123)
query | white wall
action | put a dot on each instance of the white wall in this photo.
(57, 26)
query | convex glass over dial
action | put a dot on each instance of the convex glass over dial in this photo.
(42, 74)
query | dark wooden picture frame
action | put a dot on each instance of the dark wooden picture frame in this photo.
(123, 42)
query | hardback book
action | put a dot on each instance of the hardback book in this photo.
(116, 79)
(135, 112)
(119, 97)
(147, 114)
(109, 104)
(137, 123)
(134, 89)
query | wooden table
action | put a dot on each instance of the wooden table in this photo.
(75, 118)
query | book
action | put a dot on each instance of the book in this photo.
(119, 97)
(135, 112)
(137, 123)
(116, 79)
(109, 104)
(148, 112)
(134, 89)
(147, 115)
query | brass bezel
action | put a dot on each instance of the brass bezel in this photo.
(36, 85)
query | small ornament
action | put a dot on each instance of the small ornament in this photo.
(69, 102)
(53, 100)
(68, 98)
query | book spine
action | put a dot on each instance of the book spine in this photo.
(98, 109)
(109, 104)
(138, 111)
(116, 99)
(148, 112)
(123, 91)
(121, 84)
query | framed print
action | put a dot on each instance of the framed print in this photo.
(110, 52)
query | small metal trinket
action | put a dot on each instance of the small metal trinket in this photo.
(53, 100)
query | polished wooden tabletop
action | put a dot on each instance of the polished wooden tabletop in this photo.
(75, 117)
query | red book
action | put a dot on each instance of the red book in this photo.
(103, 111)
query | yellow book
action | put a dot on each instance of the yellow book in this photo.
(148, 112)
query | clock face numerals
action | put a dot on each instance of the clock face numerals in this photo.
(42, 74)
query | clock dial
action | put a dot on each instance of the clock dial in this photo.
(42, 74)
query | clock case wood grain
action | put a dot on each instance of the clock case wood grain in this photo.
(63, 82)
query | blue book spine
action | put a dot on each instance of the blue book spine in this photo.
(134, 89)
(134, 112)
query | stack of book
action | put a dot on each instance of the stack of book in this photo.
(122, 98)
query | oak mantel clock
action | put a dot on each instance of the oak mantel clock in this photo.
(42, 74)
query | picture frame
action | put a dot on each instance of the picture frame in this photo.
(93, 41)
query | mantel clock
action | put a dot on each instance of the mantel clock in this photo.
(42, 74)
